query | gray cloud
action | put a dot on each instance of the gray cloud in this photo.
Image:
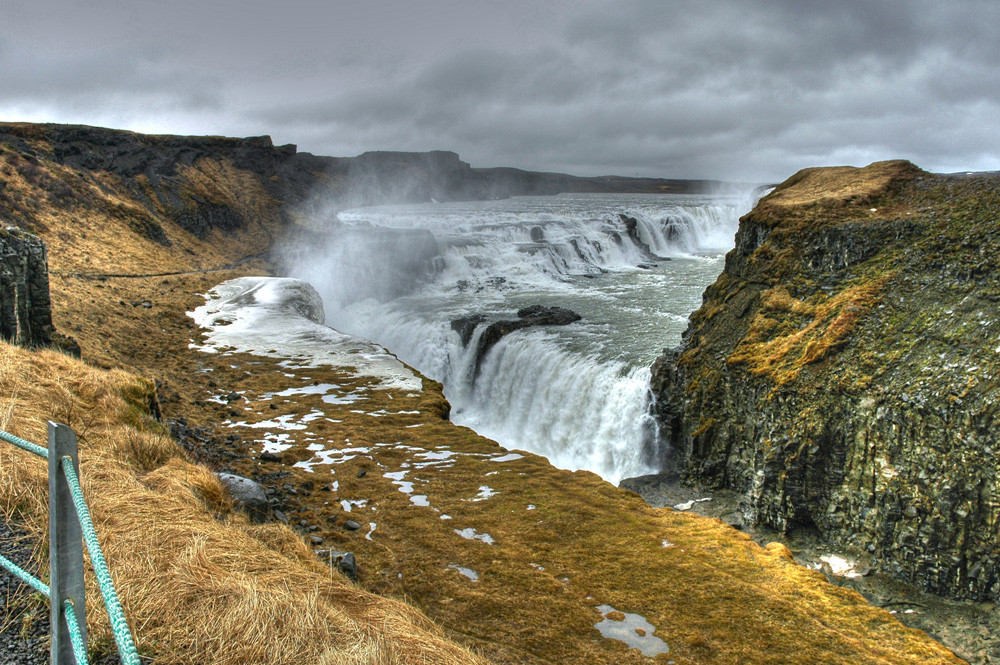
(719, 88)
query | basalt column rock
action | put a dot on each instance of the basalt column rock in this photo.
(842, 373)
(25, 310)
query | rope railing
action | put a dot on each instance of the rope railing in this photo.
(24, 445)
(70, 525)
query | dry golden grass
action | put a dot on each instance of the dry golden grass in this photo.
(713, 595)
(198, 583)
(839, 184)
(786, 334)
(93, 223)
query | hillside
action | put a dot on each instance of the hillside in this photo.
(507, 555)
(841, 375)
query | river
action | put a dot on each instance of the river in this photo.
(577, 394)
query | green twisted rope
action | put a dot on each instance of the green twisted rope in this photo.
(25, 445)
(119, 626)
(26, 577)
(75, 634)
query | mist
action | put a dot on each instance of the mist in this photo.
(411, 276)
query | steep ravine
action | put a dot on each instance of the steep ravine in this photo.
(841, 374)
(561, 546)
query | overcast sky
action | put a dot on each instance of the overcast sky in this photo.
(721, 89)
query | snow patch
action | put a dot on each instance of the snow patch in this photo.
(280, 317)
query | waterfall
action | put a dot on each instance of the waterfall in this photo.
(577, 394)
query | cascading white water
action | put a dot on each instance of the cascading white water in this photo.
(577, 394)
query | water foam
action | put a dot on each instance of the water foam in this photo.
(576, 394)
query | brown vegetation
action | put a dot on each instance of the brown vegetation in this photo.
(200, 584)
(786, 334)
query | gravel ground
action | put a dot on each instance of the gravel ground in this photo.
(24, 616)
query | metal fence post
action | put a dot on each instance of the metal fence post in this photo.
(65, 546)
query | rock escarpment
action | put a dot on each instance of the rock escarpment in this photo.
(842, 372)
(25, 310)
(155, 172)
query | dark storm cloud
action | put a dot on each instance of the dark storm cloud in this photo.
(726, 89)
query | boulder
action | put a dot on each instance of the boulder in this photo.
(345, 562)
(250, 496)
(540, 315)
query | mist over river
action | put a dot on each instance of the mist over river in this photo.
(578, 393)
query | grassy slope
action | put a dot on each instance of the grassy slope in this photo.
(714, 596)
(198, 583)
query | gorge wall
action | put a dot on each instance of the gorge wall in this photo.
(842, 371)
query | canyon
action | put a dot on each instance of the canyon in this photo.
(142, 230)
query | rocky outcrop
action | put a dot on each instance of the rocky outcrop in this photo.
(632, 233)
(842, 372)
(248, 495)
(25, 310)
(533, 315)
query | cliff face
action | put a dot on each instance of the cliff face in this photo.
(25, 312)
(842, 371)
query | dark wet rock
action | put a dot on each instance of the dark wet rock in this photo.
(269, 457)
(25, 308)
(362, 473)
(250, 496)
(840, 375)
(233, 396)
(345, 562)
(632, 232)
(466, 326)
(540, 315)
(537, 234)
(202, 444)
(351, 525)
(534, 315)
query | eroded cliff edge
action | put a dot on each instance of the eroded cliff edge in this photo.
(842, 371)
